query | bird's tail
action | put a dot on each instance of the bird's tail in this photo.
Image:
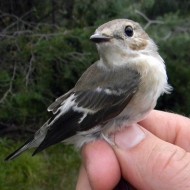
(19, 151)
(34, 141)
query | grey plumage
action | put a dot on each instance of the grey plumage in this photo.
(123, 86)
(101, 98)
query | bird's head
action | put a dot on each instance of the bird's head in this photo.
(122, 38)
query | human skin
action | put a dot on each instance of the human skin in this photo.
(155, 154)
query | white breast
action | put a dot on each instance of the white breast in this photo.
(153, 84)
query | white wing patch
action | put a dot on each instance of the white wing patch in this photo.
(82, 118)
(69, 103)
(109, 91)
(86, 111)
(65, 106)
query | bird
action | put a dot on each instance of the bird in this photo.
(116, 91)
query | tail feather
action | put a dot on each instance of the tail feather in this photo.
(63, 128)
(19, 151)
(33, 142)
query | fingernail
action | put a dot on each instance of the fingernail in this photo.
(129, 137)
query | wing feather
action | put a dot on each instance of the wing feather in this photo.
(98, 96)
(91, 106)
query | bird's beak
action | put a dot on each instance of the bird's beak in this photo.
(98, 38)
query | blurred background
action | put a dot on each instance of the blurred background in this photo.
(44, 48)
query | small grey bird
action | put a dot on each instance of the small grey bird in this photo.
(118, 90)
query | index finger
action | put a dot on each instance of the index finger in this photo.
(170, 127)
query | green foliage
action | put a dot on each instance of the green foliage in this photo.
(44, 69)
(55, 169)
(92, 12)
(45, 51)
(155, 8)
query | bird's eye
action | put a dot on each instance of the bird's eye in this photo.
(129, 31)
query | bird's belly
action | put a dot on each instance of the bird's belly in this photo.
(138, 108)
(129, 116)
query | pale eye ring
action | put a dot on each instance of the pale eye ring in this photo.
(129, 31)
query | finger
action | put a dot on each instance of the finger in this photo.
(83, 182)
(101, 165)
(148, 162)
(170, 127)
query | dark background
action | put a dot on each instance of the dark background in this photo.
(44, 48)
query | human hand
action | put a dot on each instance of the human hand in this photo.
(154, 156)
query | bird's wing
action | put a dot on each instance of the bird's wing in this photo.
(98, 96)
(91, 102)
(56, 104)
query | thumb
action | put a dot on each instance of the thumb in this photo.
(148, 162)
